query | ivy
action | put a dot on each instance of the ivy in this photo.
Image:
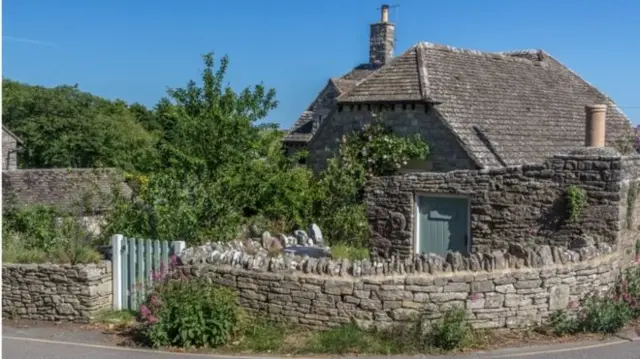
(576, 198)
(632, 195)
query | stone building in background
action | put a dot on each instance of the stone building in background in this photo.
(85, 193)
(11, 144)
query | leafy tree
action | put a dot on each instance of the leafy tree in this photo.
(218, 167)
(64, 127)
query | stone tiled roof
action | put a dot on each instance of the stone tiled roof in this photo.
(302, 129)
(344, 85)
(506, 108)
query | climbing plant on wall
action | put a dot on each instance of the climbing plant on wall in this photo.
(576, 201)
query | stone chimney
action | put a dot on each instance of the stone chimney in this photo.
(595, 125)
(382, 39)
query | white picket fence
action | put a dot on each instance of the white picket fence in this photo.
(135, 264)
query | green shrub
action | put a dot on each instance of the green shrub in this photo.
(37, 234)
(36, 223)
(189, 313)
(452, 331)
(15, 251)
(628, 289)
(604, 315)
(562, 323)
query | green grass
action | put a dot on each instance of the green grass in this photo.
(344, 251)
(349, 339)
(120, 317)
(260, 335)
(263, 336)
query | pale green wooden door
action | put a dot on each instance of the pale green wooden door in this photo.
(443, 224)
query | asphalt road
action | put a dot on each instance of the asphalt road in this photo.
(33, 344)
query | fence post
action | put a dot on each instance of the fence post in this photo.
(178, 246)
(116, 270)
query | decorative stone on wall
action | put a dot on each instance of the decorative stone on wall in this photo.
(56, 292)
(513, 288)
(524, 204)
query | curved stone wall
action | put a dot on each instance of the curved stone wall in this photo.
(512, 288)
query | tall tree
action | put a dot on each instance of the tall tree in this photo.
(65, 127)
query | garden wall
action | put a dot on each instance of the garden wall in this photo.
(56, 292)
(523, 204)
(83, 191)
(513, 288)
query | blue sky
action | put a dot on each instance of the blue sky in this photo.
(135, 49)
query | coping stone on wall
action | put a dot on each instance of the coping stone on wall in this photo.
(236, 254)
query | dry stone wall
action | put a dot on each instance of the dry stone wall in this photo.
(513, 288)
(56, 292)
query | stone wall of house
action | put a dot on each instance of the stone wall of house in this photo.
(80, 190)
(446, 154)
(513, 288)
(525, 204)
(56, 292)
(9, 154)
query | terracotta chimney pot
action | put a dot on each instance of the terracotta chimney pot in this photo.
(595, 125)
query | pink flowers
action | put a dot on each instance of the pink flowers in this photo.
(144, 311)
(146, 315)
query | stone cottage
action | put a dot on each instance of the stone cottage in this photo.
(11, 144)
(475, 109)
(507, 139)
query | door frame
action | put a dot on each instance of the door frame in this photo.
(416, 216)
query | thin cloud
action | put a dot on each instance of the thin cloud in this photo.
(29, 41)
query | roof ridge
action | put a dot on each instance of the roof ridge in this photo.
(422, 72)
(513, 55)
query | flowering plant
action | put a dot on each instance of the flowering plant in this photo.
(187, 311)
